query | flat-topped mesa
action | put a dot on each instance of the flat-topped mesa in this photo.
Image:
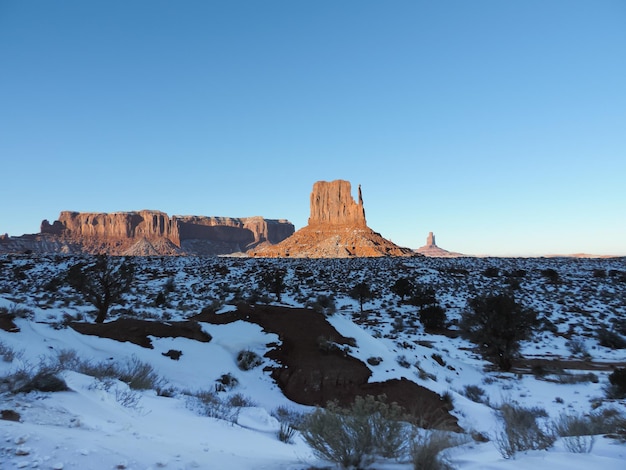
(114, 225)
(149, 232)
(332, 204)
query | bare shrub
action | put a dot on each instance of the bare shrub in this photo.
(610, 339)
(323, 304)
(67, 359)
(374, 360)
(577, 378)
(226, 382)
(577, 347)
(521, 430)
(427, 450)
(475, 393)
(239, 400)
(247, 360)
(7, 353)
(21, 312)
(140, 375)
(99, 370)
(609, 422)
(577, 432)
(350, 437)
(403, 361)
(210, 404)
(286, 433)
(289, 416)
(28, 378)
(127, 398)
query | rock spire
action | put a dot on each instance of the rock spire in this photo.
(433, 251)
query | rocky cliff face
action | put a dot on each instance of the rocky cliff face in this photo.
(114, 226)
(149, 233)
(337, 229)
(332, 204)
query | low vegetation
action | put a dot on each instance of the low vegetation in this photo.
(490, 310)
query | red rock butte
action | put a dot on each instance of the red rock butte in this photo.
(337, 229)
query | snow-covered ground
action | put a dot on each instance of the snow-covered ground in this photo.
(104, 424)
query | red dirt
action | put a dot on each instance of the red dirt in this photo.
(6, 323)
(526, 365)
(137, 331)
(311, 373)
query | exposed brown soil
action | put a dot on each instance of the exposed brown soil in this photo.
(6, 323)
(315, 365)
(527, 365)
(138, 331)
(10, 415)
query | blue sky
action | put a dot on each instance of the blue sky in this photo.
(498, 125)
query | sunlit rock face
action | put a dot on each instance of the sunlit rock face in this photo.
(149, 233)
(332, 204)
(337, 229)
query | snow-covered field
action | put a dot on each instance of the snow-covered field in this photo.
(104, 424)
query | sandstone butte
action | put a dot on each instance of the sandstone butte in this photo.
(337, 229)
(149, 232)
(432, 250)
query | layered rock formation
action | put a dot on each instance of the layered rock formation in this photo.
(149, 233)
(332, 204)
(337, 229)
(432, 250)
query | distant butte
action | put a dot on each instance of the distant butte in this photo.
(337, 229)
(432, 250)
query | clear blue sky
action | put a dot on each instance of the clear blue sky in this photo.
(498, 125)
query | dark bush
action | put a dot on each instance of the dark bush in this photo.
(497, 324)
(247, 360)
(551, 275)
(491, 271)
(403, 287)
(274, 282)
(610, 339)
(422, 296)
(102, 283)
(433, 317)
(475, 393)
(361, 292)
(323, 304)
(226, 382)
(517, 273)
(617, 380)
(43, 383)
